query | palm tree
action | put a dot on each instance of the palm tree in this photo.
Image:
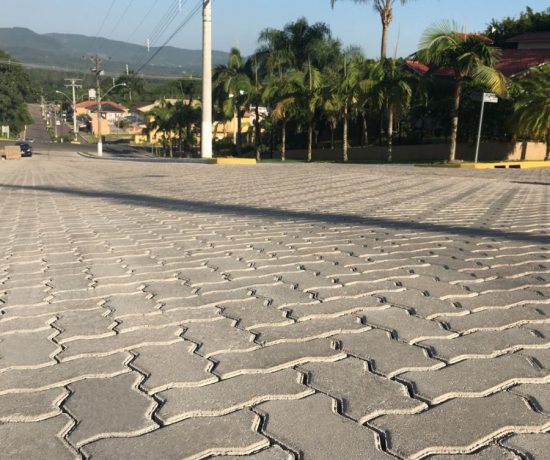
(532, 106)
(343, 88)
(468, 57)
(160, 119)
(312, 49)
(234, 82)
(385, 9)
(275, 57)
(390, 91)
(281, 93)
(183, 117)
(254, 68)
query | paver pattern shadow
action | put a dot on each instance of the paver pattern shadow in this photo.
(156, 310)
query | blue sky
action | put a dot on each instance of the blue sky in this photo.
(237, 22)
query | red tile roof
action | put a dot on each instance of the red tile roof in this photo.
(531, 37)
(104, 105)
(514, 62)
(511, 63)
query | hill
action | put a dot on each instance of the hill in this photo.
(68, 51)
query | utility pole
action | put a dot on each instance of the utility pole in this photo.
(206, 128)
(73, 84)
(98, 72)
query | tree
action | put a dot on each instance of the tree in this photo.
(183, 117)
(253, 68)
(161, 119)
(390, 91)
(275, 56)
(134, 88)
(532, 106)
(15, 89)
(467, 57)
(343, 93)
(311, 49)
(385, 9)
(233, 85)
(528, 21)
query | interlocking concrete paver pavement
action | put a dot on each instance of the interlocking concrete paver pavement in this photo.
(298, 423)
(92, 402)
(231, 434)
(282, 311)
(493, 452)
(529, 445)
(42, 439)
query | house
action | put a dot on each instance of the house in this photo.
(111, 111)
(531, 41)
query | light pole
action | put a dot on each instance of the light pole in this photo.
(99, 99)
(74, 112)
(206, 128)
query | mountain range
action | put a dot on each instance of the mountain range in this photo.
(71, 52)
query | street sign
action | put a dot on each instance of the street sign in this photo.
(490, 98)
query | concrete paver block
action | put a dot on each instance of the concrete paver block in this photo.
(230, 395)
(91, 404)
(299, 424)
(480, 420)
(233, 434)
(365, 395)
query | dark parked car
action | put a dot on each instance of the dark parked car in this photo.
(26, 149)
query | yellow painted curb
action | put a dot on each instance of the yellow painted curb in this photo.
(496, 165)
(232, 161)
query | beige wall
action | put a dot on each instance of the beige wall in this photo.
(105, 129)
(491, 151)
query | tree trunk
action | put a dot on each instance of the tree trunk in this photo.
(390, 134)
(547, 147)
(365, 134)
(345, 134)
(331, 136)
(283, 141)
(239, 134)
(234, 128)
(189, 136)
(257, 132)
(310, 141)
(454, 129)
(384, 47)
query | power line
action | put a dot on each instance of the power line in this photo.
(159, 28)
(144, 18)
(121, 18)
(186, 21)
(164, 23)
(105, 18)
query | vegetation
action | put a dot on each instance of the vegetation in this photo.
(318, 94)
(468, 56)
(15, 90)
(532, 107)
(528, 21)
(181, 118)
(385, 9)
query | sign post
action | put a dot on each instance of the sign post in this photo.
(486, 98)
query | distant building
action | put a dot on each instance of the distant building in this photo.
(111, 111)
